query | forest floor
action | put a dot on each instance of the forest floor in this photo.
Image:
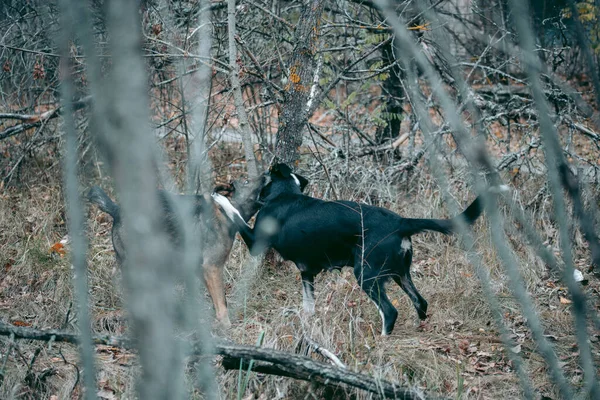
(457, 353)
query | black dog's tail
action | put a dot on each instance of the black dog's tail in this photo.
(99, 197)
(445, 226)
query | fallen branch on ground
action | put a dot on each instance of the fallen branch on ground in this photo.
(272, 361)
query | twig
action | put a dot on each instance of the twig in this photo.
(28, 147)
(77, 374)
(316, 153)
(355, 128)
(324, 352)
(325, 138)
(586, 131)
(270, 85)
(8, 350)
(67, 316)
(276, 17)
(33, 120)
(325, 92)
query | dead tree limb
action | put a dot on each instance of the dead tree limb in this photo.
(271, 361)
(34, 120)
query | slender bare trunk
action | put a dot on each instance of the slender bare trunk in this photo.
(234, 76)
(121, 124)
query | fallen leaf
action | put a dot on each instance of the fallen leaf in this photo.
(8, 265)
(58, 248)
(564, 300)
(516, 349)
(21, 323)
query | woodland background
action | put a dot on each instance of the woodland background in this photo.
(415, 106)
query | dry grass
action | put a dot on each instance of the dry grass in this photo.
(456, 354)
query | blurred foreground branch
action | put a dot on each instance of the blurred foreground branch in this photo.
(273, 362)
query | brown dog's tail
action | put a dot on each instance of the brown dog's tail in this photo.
(445, 226)
(99, 197)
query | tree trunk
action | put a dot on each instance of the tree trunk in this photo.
(238, 99)
(393, 93)
(301, 75)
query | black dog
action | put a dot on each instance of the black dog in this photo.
(319, 235)
(217, 231)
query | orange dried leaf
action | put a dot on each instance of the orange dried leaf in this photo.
(564, 300)
(21, 323)
(58, 248)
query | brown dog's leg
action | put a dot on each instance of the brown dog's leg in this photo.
(213, 278)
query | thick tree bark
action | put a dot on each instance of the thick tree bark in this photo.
(301, 74)
(271, 361)
(234, 77)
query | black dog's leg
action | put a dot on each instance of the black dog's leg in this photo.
(375, 289)
(405, 282)
(256, 243)
(403, 279)
(248, 234)
(258, 239)
(308, 292)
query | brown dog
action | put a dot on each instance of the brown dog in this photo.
(218, 231)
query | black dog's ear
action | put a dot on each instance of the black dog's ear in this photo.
(303, 181)
(281, 170)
